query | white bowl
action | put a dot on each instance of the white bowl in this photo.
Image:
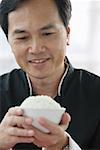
(53, 115)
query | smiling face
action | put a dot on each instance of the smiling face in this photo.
(38, 38)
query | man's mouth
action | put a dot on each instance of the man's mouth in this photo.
(38, 61)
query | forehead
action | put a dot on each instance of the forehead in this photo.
(34, 13)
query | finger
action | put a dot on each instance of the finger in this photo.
(65, 121)
(45, 138)
(52, 127)
(23, 139)
(37, 143)
(12, 112)
(15, 111)
(65, 118)
(14, 131)
(45, 141)
(19, 121)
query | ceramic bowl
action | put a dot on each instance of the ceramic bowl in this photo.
(53, 115)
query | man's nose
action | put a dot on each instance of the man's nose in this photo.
(36, 46)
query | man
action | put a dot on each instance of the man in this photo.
(39, 32)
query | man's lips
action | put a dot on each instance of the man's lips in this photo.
(38, 61)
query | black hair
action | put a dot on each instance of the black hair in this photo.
(6, 6)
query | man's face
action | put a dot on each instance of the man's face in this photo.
(38, 38)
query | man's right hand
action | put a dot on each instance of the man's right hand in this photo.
(14, 129)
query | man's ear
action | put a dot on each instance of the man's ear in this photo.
(68, 35)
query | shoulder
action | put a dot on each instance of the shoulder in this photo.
(10, 78)
(86, 76)
(87, 80)
(11, 75)
(80, 79)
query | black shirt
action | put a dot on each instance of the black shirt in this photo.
(80, 94)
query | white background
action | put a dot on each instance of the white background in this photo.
(84, 49)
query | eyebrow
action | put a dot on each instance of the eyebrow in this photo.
(47, 27)
(18, 31)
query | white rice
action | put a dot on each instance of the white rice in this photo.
(38, 102)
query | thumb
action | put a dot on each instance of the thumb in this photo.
(66, 118)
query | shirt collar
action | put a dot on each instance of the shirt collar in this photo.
(61, 81)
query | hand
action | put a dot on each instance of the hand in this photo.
(57, 138)
(13, 129)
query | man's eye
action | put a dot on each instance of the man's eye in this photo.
(22, 38)
(47, 33)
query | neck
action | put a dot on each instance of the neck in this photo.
(47, 86)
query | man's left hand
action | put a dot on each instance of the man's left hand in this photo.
(57, 138)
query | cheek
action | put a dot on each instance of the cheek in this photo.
(57, 51)
(61, 52)
(60, 47)
(18, 50)
(58, 42)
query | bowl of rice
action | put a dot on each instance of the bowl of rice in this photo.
(42, 106)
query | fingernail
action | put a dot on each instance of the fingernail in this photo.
(30, 132)
(28, 121)
(18, 110)
(69, 117)
(41, 120)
